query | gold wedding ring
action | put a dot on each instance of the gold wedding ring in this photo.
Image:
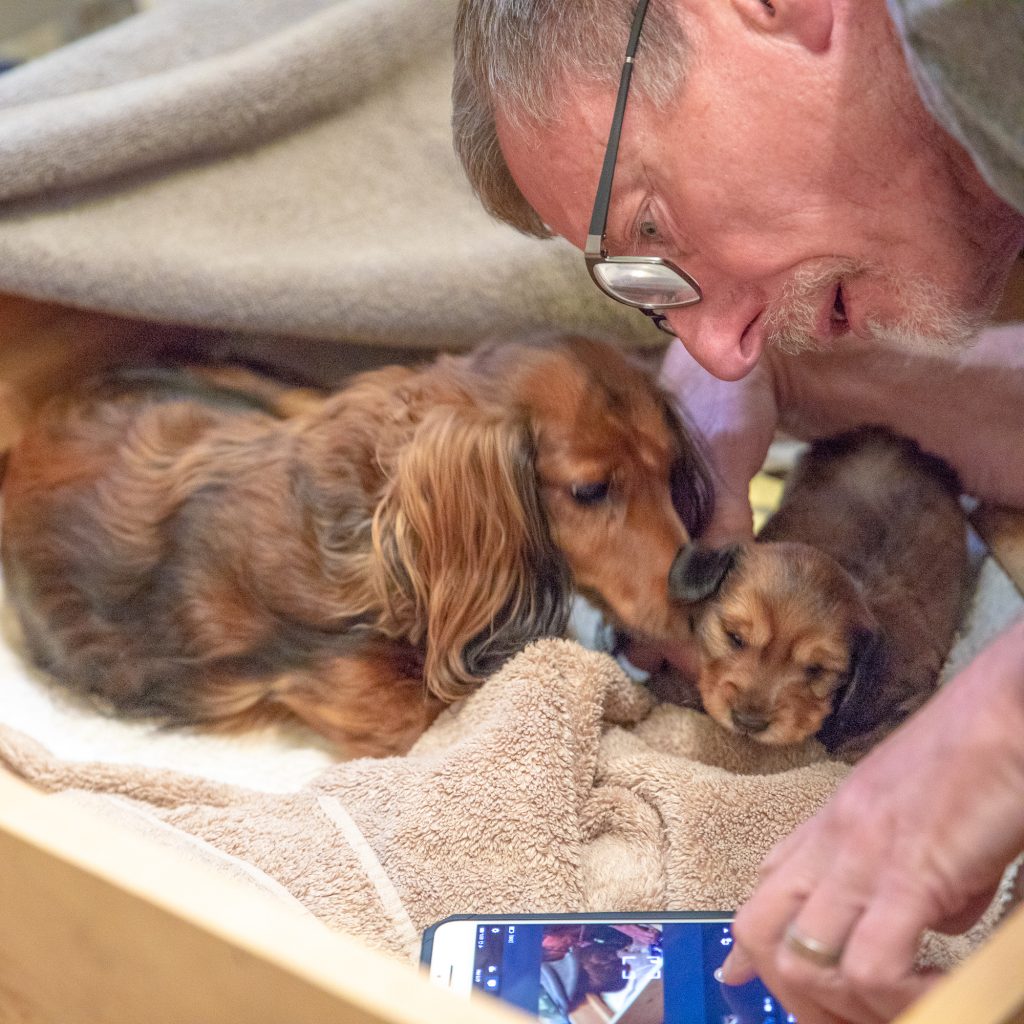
(811, 949)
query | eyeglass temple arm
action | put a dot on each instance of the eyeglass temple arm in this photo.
(599, 220)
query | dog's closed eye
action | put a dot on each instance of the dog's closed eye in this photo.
(821, 679)
(735, 640)
(590, 494)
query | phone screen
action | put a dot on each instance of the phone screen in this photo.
(614, 971)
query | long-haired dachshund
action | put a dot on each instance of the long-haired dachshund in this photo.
(187, 550)
(837, 621)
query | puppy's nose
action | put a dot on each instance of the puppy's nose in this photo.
(749, 721)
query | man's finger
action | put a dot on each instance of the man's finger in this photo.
(967, 915)
(820, 930)
(737, 969)
(880, 957)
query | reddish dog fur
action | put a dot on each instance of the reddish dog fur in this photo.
(180, 549)
(837, 622)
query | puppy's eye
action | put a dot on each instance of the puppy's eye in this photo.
(813, 672)
(589, 494)
(735, 639)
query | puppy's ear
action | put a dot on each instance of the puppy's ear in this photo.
(697, 573)
(469, 567)
(867, 661)
(856, 710)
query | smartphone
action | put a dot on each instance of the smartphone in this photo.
(642, 968)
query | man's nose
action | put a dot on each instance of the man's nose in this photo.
(727, 338)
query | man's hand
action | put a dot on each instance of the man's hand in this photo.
(917, 837)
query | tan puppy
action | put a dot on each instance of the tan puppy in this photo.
(837, 621)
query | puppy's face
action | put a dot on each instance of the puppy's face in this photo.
(621, 483)
(780, 642)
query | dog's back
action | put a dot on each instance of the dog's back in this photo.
(890, 514)
(93, 496)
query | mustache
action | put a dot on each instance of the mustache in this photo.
(791, 324)
(928, 320)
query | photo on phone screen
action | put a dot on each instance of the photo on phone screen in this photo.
(622, 969)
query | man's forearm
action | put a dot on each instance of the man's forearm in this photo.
(968, 407)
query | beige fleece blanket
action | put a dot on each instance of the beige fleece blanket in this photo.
(274, 166)
(558, 786)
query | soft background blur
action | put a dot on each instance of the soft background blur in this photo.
(30, 28)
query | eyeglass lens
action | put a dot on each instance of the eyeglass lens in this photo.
(644, 284)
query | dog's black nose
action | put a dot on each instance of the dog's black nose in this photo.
(697, 572)
(750, 722)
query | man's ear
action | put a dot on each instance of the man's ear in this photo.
(808, 23)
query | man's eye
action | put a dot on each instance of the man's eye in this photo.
(648, 229)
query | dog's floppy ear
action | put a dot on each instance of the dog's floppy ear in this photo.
(857, 710)
(470, 569)
(693, 493)
(697, 572)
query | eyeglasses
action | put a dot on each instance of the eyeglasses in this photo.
(647, 283)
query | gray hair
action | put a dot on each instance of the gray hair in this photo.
(512, 55)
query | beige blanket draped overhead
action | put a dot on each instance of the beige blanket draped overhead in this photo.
(273, 166)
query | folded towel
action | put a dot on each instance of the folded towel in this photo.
(558, 786)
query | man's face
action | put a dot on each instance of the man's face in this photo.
(804, 188)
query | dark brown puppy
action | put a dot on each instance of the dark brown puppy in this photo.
(183, 549)
(837, 622)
